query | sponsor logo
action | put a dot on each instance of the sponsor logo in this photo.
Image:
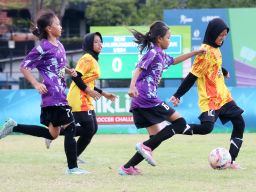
(208, 18)
(196, 35)
(184, 19)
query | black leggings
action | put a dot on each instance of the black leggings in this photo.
(206, 127)
(85, 131)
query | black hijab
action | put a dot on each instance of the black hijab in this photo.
(88, 44)
(214, 29)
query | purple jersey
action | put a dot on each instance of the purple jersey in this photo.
(152, 64)
(50, 61)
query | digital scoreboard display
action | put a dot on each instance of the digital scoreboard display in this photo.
(120, 53)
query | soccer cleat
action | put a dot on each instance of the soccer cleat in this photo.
(76, 171)
(48, 143)
(235, 166)
(7, 128)
(139, 171)
(129, 171)
(80, 161)
(146, 153)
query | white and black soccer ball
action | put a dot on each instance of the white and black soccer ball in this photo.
(219, 158)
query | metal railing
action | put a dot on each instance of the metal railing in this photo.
(11, 78)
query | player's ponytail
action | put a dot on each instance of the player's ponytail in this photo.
(157, 29)
(35, 31)
(142, 40)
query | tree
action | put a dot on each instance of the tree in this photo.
(153, 10)
(144, 12)
(220, 4)
(112, 12)
(58, 7)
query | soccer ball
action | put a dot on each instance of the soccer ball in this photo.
(219, 158)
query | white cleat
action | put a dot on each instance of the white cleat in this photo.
(48, 143)
(7, 128)
(76, 171)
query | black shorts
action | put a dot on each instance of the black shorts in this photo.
(146, 117)
(57, 115)
(83, 116)
(226, 112)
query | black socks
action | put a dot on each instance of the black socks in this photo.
(70, 146)
(33, 130)
(177, 127)
(235, 145)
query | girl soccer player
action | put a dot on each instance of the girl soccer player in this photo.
(215, 100)
(79, 97)
(148, 110)
(82, 92)
(49, 58)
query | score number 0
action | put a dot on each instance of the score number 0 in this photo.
(117, 64)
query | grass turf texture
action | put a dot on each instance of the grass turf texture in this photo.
(182, 165)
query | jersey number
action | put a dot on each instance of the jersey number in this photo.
(165, 106)
(68, 112)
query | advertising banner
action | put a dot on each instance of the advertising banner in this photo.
(114, 117)
(244, 45)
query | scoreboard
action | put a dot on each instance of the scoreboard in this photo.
(120, 55)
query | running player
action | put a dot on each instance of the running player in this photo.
(215, 100)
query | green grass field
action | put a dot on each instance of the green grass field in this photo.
(182, 165)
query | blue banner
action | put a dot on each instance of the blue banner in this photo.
(24, 107)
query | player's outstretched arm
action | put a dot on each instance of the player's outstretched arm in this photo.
(186, 56)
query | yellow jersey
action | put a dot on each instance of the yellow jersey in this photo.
(78, 99)
(212, 91)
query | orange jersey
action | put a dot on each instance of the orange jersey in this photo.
(77, 99)
(212, 91)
